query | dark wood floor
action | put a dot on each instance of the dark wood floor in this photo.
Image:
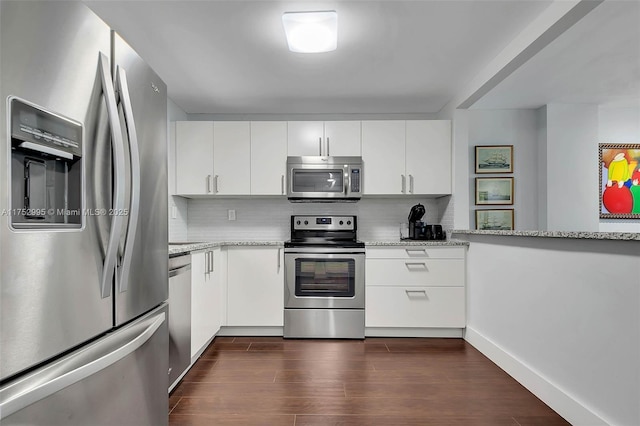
(403, 381)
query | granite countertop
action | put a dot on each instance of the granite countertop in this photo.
(183, 248)
(621, 236)
(176, 249)
(449, 242)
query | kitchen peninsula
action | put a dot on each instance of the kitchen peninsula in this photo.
(560, 312)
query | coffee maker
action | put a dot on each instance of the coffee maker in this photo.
(419, 230)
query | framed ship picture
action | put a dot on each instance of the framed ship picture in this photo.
(494, 190)
(494, 159)
(494, 220)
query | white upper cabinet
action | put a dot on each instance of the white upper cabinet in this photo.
(342, 138)
(407, 157)
(268, 157)
(383, 154)
(228, 158)
(194, 157)
(335, 138)
(428, 157)
(231, 158)
(305, 138)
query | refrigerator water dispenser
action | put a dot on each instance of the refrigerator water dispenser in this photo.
(46, 168)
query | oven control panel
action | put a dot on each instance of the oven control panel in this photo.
(323, 223)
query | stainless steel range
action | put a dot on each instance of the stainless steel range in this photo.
(324, 278)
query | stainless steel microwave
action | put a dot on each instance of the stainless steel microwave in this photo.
(312, 178)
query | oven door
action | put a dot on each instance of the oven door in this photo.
(324, 278)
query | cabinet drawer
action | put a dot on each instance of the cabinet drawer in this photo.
(415, 307)
(420, 272)
(409, 252)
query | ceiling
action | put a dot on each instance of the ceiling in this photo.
(595, 61)
(393, 57)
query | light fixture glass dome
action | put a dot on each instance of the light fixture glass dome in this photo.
(311, 32)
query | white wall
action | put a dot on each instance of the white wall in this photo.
(177, 205)
(619, 125)
(572, 167)
(508, 127)
(462, 181)
(563, 317)
(268, 219)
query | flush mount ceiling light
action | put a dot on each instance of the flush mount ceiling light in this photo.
(311, 32)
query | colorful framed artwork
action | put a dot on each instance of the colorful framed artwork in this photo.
(619, 167)
(494, 220)
(494, 159)
(494, 190)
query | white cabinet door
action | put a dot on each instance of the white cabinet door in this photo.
(415, 307)
(255, 286)
(343, 138)
(232, 157)
(194, 157)
(206, 297)
(383, 153)
(305, 138)
(428, 157)
(268, 157)
(199, 264)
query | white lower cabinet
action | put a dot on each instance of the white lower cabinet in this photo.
(255, 286)
(206, 297)
(397, 306)
(413, 286)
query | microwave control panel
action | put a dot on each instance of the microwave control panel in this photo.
(355, 180)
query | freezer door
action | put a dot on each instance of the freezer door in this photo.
(50, 280)
(142, 276)
(120, 379)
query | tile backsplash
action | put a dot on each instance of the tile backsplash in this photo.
(268, 219)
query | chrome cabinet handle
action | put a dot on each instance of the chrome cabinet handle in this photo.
(410, 264)
(328, 147)
(319, 146)
(411, 184)
(279, 263)
(215, 184)
(117, 143)
(282, 184)
(404, 184)
(211, 254)
(209, 184)
(409, 292)
(134, 210)
(417, 251)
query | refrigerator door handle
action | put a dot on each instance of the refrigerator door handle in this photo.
(117, 221)
(79, 366)
(134, 212)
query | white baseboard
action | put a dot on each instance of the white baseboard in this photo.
(249, 331)
(564, 404)
(412, 332)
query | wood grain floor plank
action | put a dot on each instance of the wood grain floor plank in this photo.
(230, 420)
(407, 420)
(270, 380)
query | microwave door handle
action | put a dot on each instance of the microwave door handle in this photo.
(124, 271)
(117, 144)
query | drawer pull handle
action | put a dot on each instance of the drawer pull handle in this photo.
(416, 252)
(420, 264)
(416, 292)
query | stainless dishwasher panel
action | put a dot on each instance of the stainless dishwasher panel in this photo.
(179, 317)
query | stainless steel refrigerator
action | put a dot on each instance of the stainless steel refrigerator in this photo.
(83, 222)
